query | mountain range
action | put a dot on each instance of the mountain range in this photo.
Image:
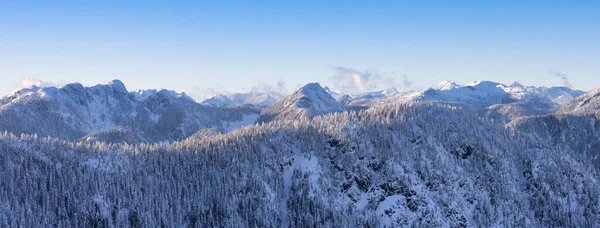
(483, 154)
(72, 111)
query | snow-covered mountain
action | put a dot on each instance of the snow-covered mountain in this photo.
(366, 99)
(423, 158)
(308, 101)
(494, 100)
(586, 104)
(420, 164)
(257, 99)
(487, 93)
(73, 111)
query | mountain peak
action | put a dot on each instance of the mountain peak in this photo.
(312, 87)
(516, 84)
(118, 86)
(308, 101)
(314, 97)
(445, 85)
(487, 85)
(73, 86)
(390, 91)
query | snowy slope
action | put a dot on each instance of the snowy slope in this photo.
(586, 104)
(416, 164)
(308, 101)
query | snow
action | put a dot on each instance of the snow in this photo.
(480, 94)
(390, 202)
(269, 191)
(142, 95)
(308, 165)
(586, 104)
(445, 85)
(304, 164)
(418, 180)
(102, 205)
(154, 117)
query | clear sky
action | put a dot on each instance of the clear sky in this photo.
(234, 45)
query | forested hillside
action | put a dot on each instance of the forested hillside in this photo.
(425, 164)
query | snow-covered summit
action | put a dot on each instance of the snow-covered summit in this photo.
(481, 93)
(117, 86)
(309, 101)
(445, 85)
(143, 95)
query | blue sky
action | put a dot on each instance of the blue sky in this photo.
(192, 46)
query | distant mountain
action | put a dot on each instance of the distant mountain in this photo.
(73, 111)
(586, 104)
(491, 99)
(366, 99)
(495, 100)
(486, 93)
(257, 99)
(308, 101)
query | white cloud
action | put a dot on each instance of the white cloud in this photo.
(28, 82)
(266, 88)
(564, 78)
(352, 81)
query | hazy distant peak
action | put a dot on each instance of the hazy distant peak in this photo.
(390, 91)
(516, 84)
(254, 98)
